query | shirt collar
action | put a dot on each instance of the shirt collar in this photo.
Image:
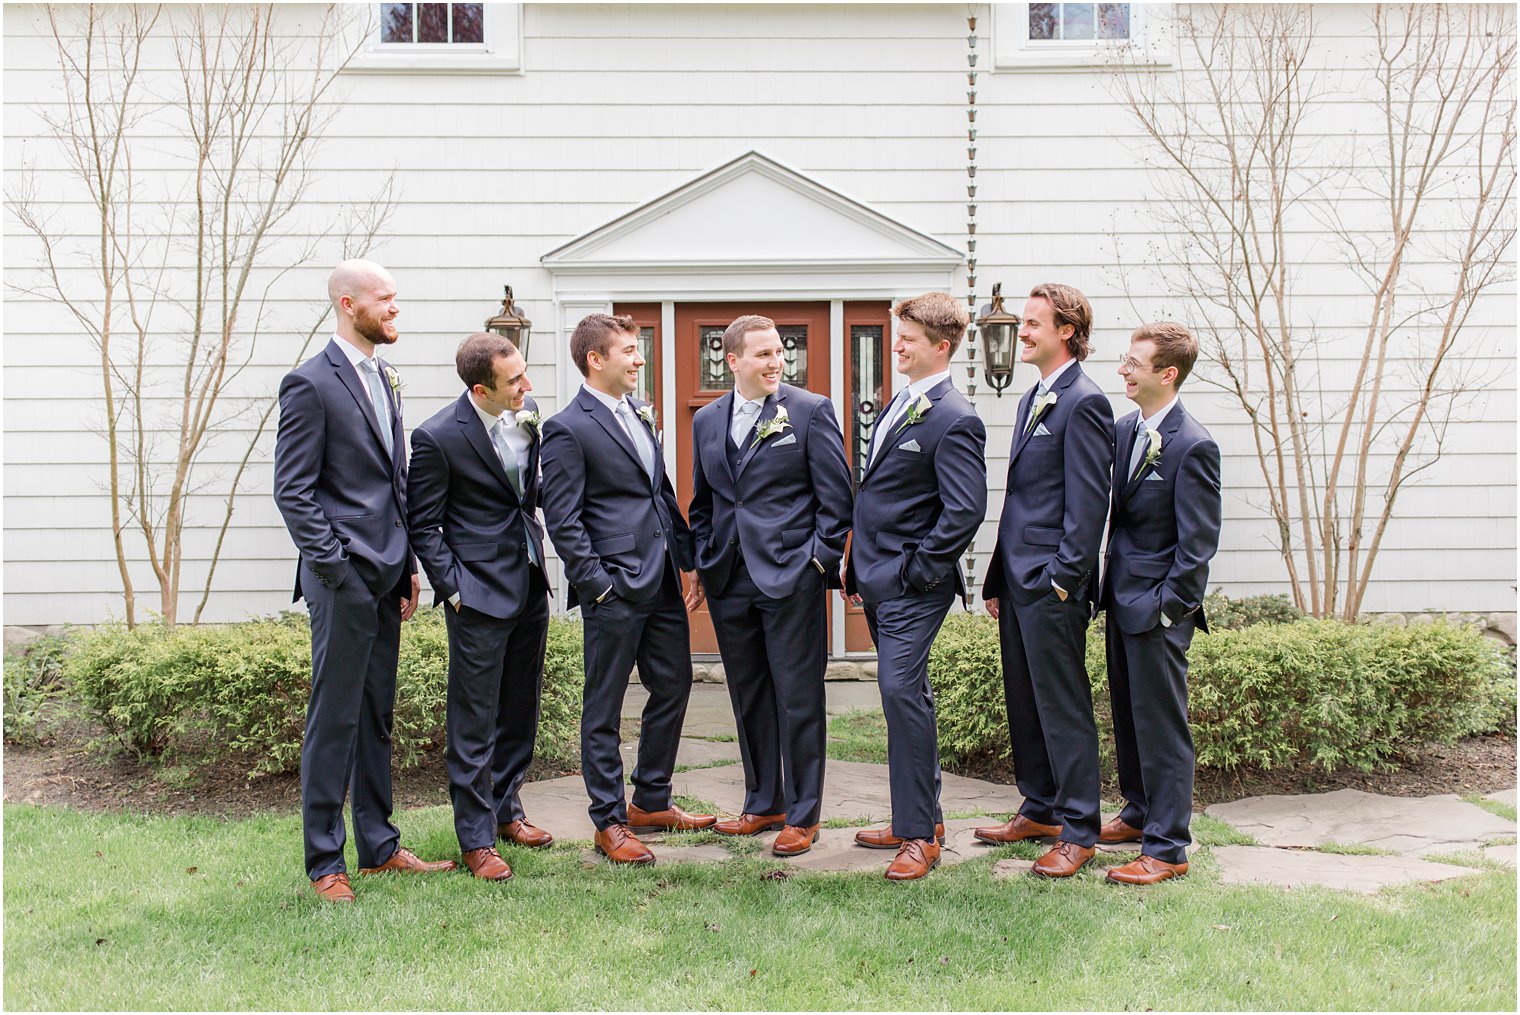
(355, 356)
(606, 399)
(1154, 422)
(1046, 383)
(740, 400)
(485, 417)
(925, 385)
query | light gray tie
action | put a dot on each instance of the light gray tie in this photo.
(744, 422)
(882, 432)
(1138, 454)
(635, 430)
(1034, 407)
(378, 400)
(513, 469)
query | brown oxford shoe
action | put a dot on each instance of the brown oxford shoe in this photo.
(750, 824)
(619, 845)
(795, 840)
(1146, 871)
(1017, 829)
(882, 838)
(1063, 861)
(1116, 830)
(521, 833)
(407, 862)
(915, 858)
(333, 888)
(485, 863)
(671, 819)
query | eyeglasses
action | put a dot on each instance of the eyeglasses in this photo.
(1129, 365)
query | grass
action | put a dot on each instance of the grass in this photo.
(1503, 810)
(125, 911)
(858, 736)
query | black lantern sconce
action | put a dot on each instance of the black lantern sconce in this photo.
(511, 325)
(999, 330)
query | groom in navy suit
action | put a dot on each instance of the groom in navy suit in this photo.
(770, 509)
(920, 501)
(473, 504)
(340, 484)
(1163, 532)
(613, 517)
(1042, 582)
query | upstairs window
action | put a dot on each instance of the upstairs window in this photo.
(445, 39)
(430, 24)
(1075, 36)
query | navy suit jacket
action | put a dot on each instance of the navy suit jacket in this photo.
(1165, 526)
(794, 488)
(342, 497)
(611, 525)
(918, 510)
(466, 521)
(1059, 477)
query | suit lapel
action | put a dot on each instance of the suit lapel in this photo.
(717, 439)
(901, 432)
(1026, 406)
(1169, 428)
(349, 375)
(767, 412)
(479, 439)
(605, 419)
(1060, 386)
(1122, 456)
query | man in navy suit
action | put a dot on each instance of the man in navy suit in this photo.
(920, 501)
(770, 509)
(1042, 582)
(614, 519)
(340, 484)
(472, 512)
(1162, 533)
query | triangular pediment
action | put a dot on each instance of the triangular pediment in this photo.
(751, 211)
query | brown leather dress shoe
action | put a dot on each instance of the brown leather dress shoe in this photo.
(407, 862)
(1064, 860)
(750, 824)
(882, 838)
(619, 845)
(1017, 829)
(485, 863)
(671, 819)
(333, 888)
(523, 834)
(795, 840)
(1146, 871)
(915, 858)
(1116, 830)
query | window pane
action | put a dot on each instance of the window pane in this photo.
(469, 22)
(1113, 21)
(1042, 21)
(433, 24)
(1076, 21)
(645, 392)
(865, 384)
(396, 22)
(794, 354)
(715, 373)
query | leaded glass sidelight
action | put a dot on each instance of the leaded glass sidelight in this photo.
(716, 376)
(794, 354)
(866, 391)
(645, 390)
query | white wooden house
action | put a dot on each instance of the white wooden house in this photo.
(687, 163)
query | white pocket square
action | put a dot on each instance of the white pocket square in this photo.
(790, 438)
(1152, 475)
(1040, 431)
(910, 446)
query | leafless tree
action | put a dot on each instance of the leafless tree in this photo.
(1263, 198)
(195, 177)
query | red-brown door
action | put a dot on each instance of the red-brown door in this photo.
(868, 381)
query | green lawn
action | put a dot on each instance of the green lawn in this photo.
(108, 911)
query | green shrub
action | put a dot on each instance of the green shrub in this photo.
(1265, 696)
(200, 692)
(33, 680)
(1226, 614)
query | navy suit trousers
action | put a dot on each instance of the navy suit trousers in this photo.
(775, 652)
(619, 633)
(1147, 681)
(903, 629)
(496, 671)
(1050, 713)
(355, 639)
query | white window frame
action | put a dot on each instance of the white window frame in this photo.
(500, 53)
(1149, 42)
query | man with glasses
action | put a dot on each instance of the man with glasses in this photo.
(1163, 531)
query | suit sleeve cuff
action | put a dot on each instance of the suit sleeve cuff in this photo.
(455, 600)
(1165, 620)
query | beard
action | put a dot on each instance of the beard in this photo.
(373, 330)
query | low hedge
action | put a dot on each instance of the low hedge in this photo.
(1268, 695)
(194, 693)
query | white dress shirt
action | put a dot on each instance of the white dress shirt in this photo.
(749, 418)
(898, 408)
(356, 357)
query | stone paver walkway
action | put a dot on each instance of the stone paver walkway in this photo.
(1416, 826)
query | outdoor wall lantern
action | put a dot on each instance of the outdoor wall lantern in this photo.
(999, 330)
(511, 325)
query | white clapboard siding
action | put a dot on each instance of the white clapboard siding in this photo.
(619, 104)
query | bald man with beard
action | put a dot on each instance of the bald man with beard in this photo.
(340, 484)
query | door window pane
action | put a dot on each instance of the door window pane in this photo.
(645, 391)
(715, 373)
(794, 360)
(866, 388)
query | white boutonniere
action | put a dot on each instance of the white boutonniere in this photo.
(916, 412)
(646, 413)
(395, 379)
(1042, 403)
(774, 425)
(1153, 452)
(529, 420)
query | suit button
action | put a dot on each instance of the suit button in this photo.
(739, 504)
(657, 533)
(398, 523)
(733, 540)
